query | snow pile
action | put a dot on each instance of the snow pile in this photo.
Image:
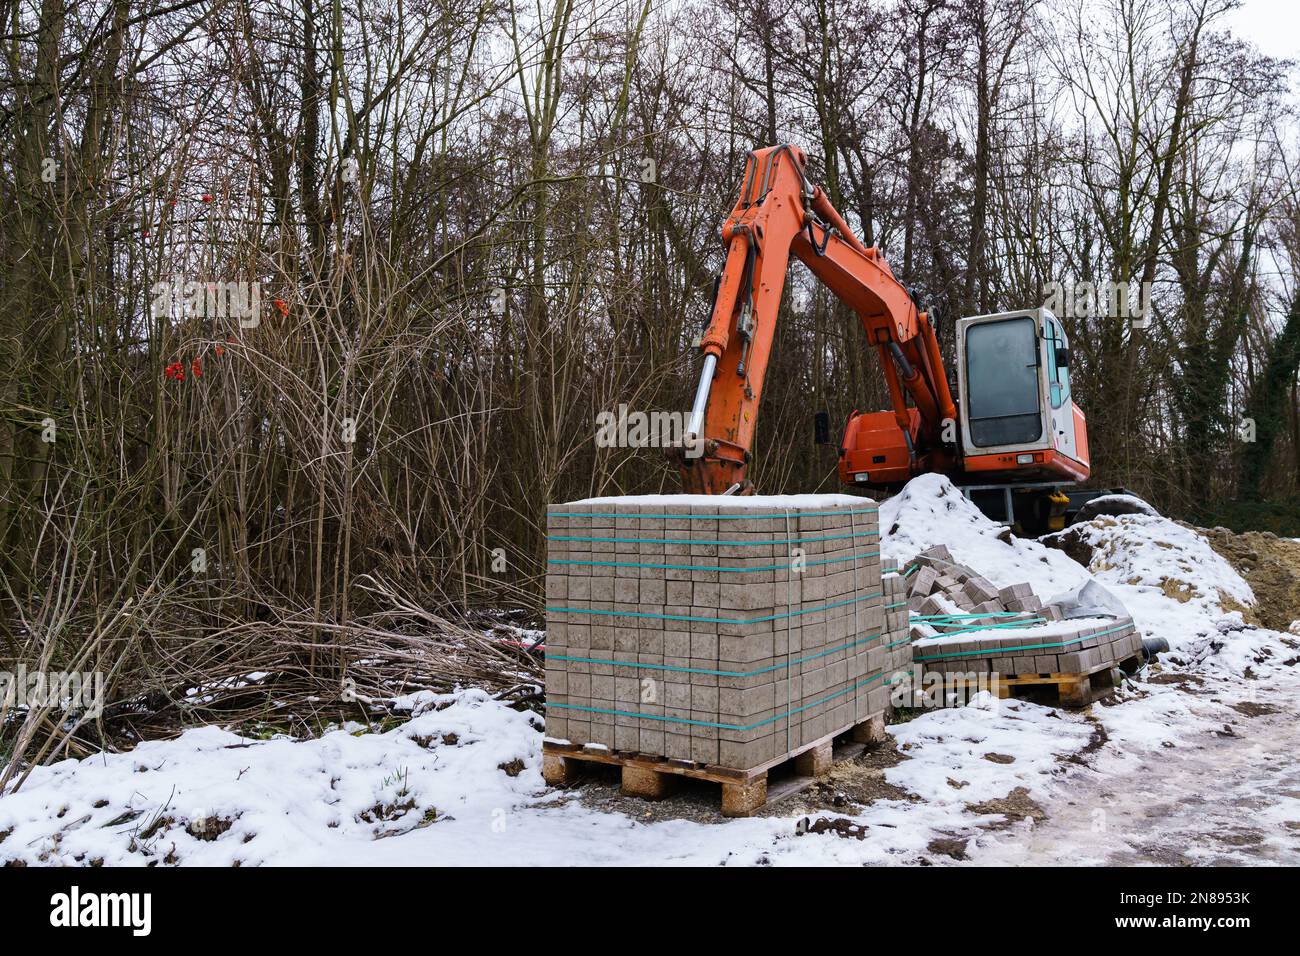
(1157, 552)
(930, 511)
(1121, 504)
(459, 784)
(1176, 587)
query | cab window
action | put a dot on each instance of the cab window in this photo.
(1058, 378)
(1002, 382)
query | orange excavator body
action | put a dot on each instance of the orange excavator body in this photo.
(875, 445)
(779, 214)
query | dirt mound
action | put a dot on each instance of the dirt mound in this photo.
(1270, 565)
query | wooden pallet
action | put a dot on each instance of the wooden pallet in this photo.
(743, 791)
(1065, 690)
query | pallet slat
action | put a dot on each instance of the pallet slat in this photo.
(1073, 690)
(743, 791)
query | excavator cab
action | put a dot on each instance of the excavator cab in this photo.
(1018, 421)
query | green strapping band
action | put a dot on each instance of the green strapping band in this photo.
(1012, 651)
(955, 617)
(735, 544)
(705, 670)
(707, 723)
(695, 517)
(710, 620)
(704, 567)
(1006, 626)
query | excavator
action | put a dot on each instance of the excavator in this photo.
(1010, 437)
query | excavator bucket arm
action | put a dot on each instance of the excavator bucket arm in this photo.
(779, 213)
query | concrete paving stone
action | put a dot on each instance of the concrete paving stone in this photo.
(577, 730)
(922, 582)
(702, 672)
(557, 728)
(677, 643)
(960, 598)
(746, 702)
(1024, 665)
(704, 699)
(937, 553)
(748, 596)
(704, 646)
(601, 733)
(677, 746)
(960, 572)
(650, 641)
(746, 649)
(626, 639)
(703, 750)
(744, 756)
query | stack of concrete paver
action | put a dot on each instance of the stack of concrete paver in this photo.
(897, 640)
(727, 632)
(963, 623)
(1059, 647)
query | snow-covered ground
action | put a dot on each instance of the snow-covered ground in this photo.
(1196, 763)
(439, 789)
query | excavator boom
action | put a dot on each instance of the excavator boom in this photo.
(780, 214)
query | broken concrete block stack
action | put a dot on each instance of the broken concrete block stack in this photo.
(726, 632)
(962, 624)
(950, 597)
(1078, 646)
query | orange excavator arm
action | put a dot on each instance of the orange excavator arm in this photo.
(779, 213)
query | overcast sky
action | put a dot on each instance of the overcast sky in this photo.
(1273, 24)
